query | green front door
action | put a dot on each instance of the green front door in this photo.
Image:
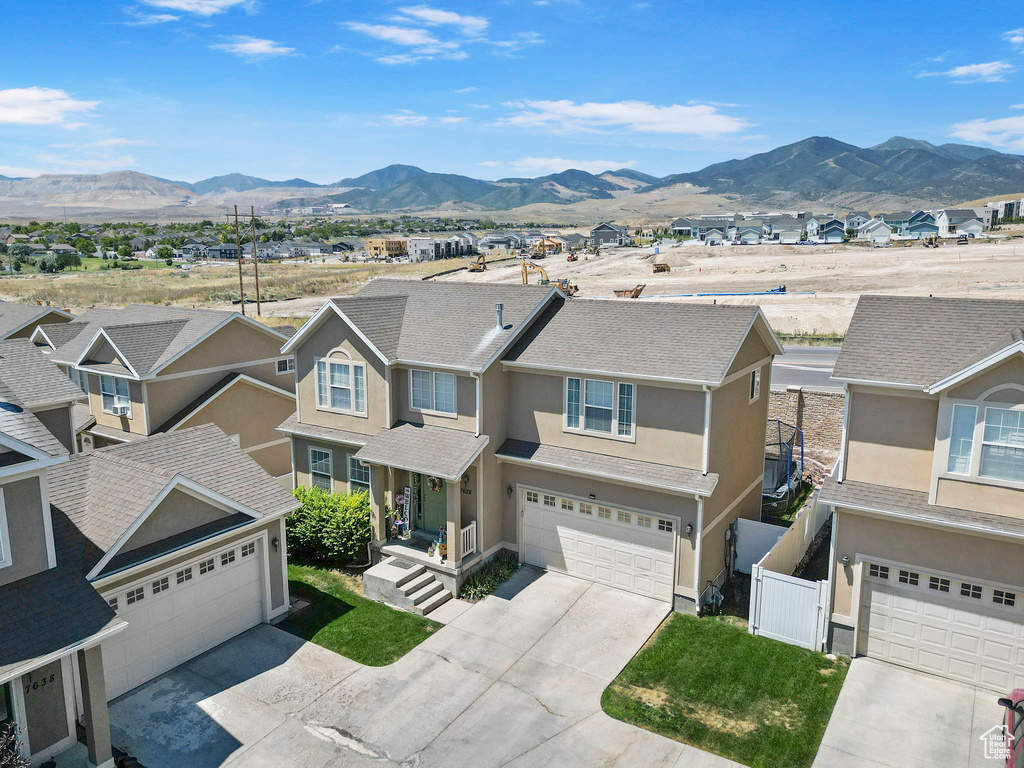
(435, 515)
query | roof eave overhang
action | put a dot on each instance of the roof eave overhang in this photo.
(918, 520)
(101, 333)
(422, 470)
(88, 642)
(614, 374)
(1007, 352)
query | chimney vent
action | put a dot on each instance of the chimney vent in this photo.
(499, 308)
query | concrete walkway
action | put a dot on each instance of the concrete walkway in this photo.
(890, 717)
(515, 680)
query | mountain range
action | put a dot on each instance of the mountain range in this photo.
(900, 171)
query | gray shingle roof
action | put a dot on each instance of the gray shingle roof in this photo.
(148, 336)
(914, 504)
(442, 323)
(292, 426)
(645, 473)
(922, 340)
(33, 377)
(421, 448)
(102, 493)
(683, 342)
(18, 422)
(14, 317)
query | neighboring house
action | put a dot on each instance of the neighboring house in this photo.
(722, 226)
(488, 412)
(922, 225)
(423, 248)
(953, 222)
(831, 231)
(575, 241)
(787, 230)
(223, 251)
(150, 369)
(874, 230)
(19, 321)
(386, 247)
(682, 227)
(857, 219)
(899, 221)
(609, 234)
(927, 559)
(118, 565)
(811, 226)
(749, 231)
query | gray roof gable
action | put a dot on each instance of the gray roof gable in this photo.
(32, 377)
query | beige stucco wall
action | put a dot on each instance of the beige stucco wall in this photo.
(1012, 371)
(331, 335)
(891, 439)
(233, 344)
(669, 421)
(58, 421)
(465, 402)
(752, 350)
(50, 318)
(712, 553)
(274, 528)
(135, 423)
(339, 462)
(275, 459)
(680, 507)
(494, 423)
(25, 527)
(980, 497)
(178, 512)
(952, 551)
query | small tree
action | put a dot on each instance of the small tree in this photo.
(85, 247)
(165, 252)
(10, 747)
(49, 263)
(65, 260)
(125, 252)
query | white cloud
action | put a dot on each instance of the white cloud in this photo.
(406, 117)
(201, 7)
(432, 17)
(540, 166)
(140, 19)
(39, 106)
(638, 116)
(1017, 106)
(425, 46)
(987, 72)
(253, 47)
(490, 163)
(470, 89)
(96, 163)
(1007, 132)
(480, 106)
(454, 119)
(1015, 37)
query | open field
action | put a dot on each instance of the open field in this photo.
(822, 282)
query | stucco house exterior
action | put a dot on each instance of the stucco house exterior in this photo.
(874, 230)
(119, 564)
(148, 369)
(19, 321)
(511, 418)
(927, 559)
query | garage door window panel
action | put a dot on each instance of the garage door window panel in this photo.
(1001, 597)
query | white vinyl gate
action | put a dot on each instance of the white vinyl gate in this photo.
(788, 608)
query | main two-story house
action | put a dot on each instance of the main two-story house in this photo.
(928, 495)
(118, 564)
(149, 369)
(614, 441)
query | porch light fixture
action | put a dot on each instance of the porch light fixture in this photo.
(275, 543)
(689, 528)
(845, 561)
(508, 490)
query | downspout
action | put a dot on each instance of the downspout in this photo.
(706, 457)
(387, 392)
(841, 466)
(698, 531)
(479, 388)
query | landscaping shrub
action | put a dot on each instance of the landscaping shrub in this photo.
(330, 528)
(490, 577)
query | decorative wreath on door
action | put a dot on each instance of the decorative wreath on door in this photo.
(435, 483)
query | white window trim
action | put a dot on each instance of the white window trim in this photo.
(979, 431)
(974, 475)
(357, 483)
(352, 365)
(755, 385)
(330, 454)
(289, 365)
(432, 411)
(127, 398)
(6, 556)
(581, 429)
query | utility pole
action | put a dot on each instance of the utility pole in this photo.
(238, 244)
(255, 259)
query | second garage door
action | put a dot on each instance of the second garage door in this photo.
(630, 550)
(177, 615)
(957, 628)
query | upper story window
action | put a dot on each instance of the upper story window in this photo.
(1000, 433)
(755, 384)
(80, 378)
(341, 386)
(599, 407)
(286, 365)
(114, 393)
(320, 473)
(431, 391)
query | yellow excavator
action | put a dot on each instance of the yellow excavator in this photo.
(568, 288)
(479, 264)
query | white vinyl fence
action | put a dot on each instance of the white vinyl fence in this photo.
(785, 607)
(753, 540)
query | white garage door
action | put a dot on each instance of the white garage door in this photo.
(957, 628)
(177, 615)
(621, 548)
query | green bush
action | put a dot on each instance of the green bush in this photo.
(490, 577)
(330, 528)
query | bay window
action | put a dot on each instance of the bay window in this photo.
(600, 407)
(341, 386)
(114, 392)
(431, 391)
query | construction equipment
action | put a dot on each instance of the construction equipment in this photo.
(661, 266)
(568, 288)
(631, 293)
(963, 241)
(573, 257)
(479, 264)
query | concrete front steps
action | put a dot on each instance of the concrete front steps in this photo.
(405, 585)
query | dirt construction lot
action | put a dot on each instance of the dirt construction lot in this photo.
(822, 282)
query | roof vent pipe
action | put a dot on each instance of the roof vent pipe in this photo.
(499, 308)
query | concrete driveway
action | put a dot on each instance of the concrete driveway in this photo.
(890, 717)
(515, 681)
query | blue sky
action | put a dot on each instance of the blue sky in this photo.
(324, 89)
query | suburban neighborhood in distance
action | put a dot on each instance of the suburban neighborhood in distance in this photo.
(511, 385)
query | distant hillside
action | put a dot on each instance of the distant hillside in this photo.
(240, 183)
(383, 178)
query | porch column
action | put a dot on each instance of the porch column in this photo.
(378, 501)
(453, 505)
(94, 702)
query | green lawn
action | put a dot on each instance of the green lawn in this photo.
(343, 621)
(709, 683)
(92, 263)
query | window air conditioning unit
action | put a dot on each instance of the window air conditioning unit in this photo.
(120, 410)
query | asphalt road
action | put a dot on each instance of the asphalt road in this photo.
(808, 367)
